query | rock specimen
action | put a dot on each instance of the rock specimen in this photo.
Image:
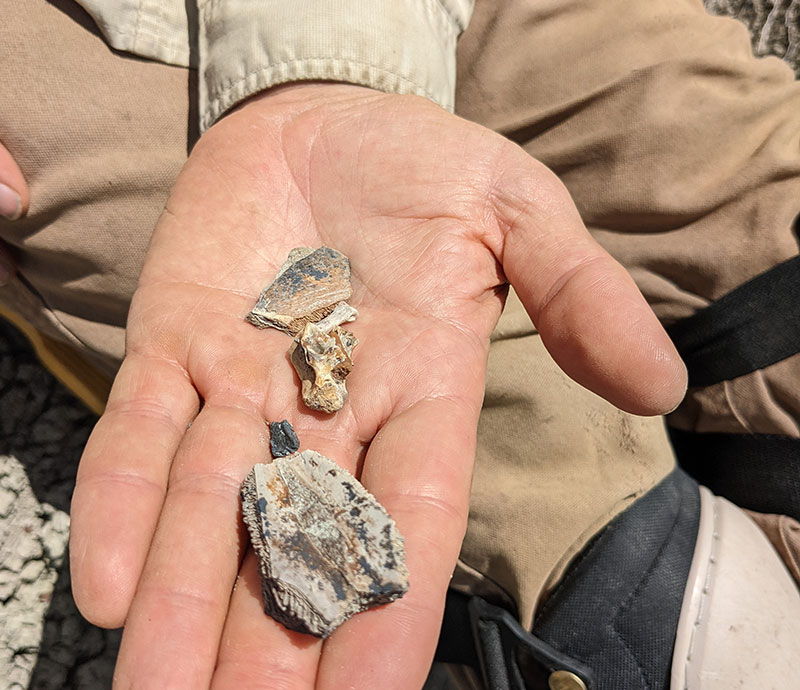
(282, 439)
(326, 548)
(306, 299)
(307, 288)
(322, 357)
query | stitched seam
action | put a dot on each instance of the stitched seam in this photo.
(704, 595)
(50, 311)
(451, 16)
(138, 20)
(268, 78)
(633, 656)
(147, 37)
(230, 84)
(574, 568)
(505, 592)
(635, 591)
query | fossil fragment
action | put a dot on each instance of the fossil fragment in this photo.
(342, 313)
(294, 256)
(282, 439)
(322, 357)
(308, 286)
(326, 548)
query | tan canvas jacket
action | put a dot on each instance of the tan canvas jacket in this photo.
(245, 46)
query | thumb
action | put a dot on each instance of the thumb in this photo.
(13, 189)
(592, 318)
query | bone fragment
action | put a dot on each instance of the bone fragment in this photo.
(307, 287)
(326, 548)
(342, 313)
(322, 362)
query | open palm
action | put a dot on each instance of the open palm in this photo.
(436, 216)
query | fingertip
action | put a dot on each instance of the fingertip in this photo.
(671, 381)
(10, 203)
(661, 390)
(603, 334)
(109, 540)
(13, 188)
(102, 591)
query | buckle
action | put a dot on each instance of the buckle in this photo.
(511, 658)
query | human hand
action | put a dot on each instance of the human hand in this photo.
(13, 205)
(435, 214)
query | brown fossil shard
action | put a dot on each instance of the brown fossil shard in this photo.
(307, 288)
(322, 357)
(326, 548)
(306, 300)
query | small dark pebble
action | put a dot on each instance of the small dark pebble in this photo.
(282, 439)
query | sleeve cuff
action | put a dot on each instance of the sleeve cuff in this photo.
(397, 46)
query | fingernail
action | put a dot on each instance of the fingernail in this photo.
(10, 203)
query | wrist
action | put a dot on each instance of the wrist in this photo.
(297, 97)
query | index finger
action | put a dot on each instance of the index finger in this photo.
(122, 481)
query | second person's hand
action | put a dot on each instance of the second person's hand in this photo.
(13, 205)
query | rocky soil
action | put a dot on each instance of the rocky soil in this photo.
(44, 642)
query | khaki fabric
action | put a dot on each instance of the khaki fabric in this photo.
(398, 46)
(592, 88)
(100, 137)
(681, 150)
(555, 463)
(244, 46)
(682, 153)
(765, 402)
(784, 533)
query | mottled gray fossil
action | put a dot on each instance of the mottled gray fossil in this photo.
(322, 357)
(282, 439)
(326, 548)
(307, 288)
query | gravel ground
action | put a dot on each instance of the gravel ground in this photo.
(774, 25)
(45, 644)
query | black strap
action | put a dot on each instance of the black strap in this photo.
(478, 634)
(756, 471)
(611, 619)
(456, 645)
(751, 327)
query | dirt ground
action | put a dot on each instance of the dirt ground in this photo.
(44, 642)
